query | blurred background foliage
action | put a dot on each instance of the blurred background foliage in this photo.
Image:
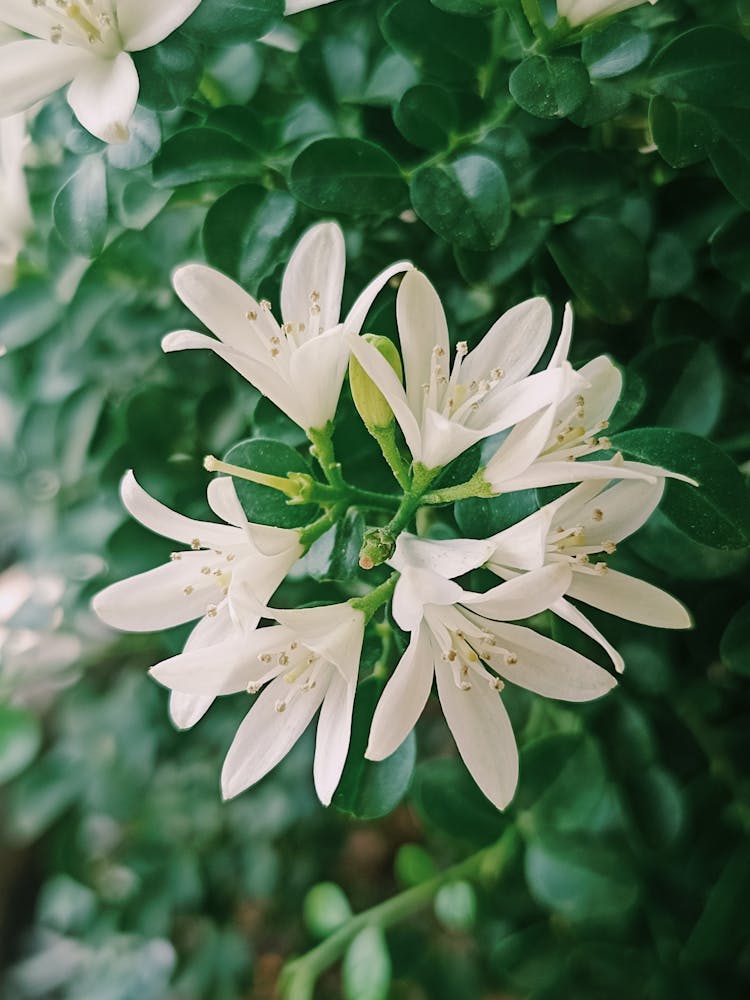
(614, 170)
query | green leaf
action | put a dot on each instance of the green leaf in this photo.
(519, 245)
(456, 906)
(615, 49)
(719, 930)
(718, 512)
(708, 66)
(369, 789)
(611, 285)
(446, 46)
(168, 73)
(480, 517)
(567, 182)
(655, 807)
(446, 798)
(683, 133)
(662, 545)
(427, 115)
(469, 8)
(20, 739)
(735, 642)
(582, 879)
(349, 176)
(325, 909)
(730, 250)
(731, 154)
(81, 208)
(549, 86)
(685, 385)
(263, 504)
(604, 102)
(414, 865)
(27, 313)
(247, 230)
(335, 555)
(466, 201)
(217, 21)
(40, 796)
(366, 970)
(202, 154)
(671, 268)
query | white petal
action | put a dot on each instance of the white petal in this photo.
(25, 16)
(389, 384)
(185, 710)
(143, 23)
(520, 448)
(483, 734)
(421, 328)
(32, 69)
(355, 318)
(223, 306)
(333, 735)
(222, 499)
(316, 374)
(549, 668)
(504, 407)
(294, 6)
(444, 439)
(514, 343)
(163, 521)
(523, 596)
(334, 631)
(417, 587)
(614, 513)
(403, 699)
(448, 559)
(523, 545)
(562, 348)
(630, 598)
(274, 541)
(316, 267)
(569, 613)
(605, 386)
(551, 473)
(103, 96)
(157, 599)
(266, 735)
(223, 668)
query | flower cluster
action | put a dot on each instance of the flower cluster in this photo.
(539, 423)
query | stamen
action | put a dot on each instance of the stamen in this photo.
(598, 515)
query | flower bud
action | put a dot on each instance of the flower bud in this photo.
(369, 400)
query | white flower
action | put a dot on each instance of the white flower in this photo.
(464, 640)
(543, 449)
(87, 45)
(590, 520)
(309, 660)
(15, 211)
(227, 573)
(579, 11)
(444, 410)
(295, 6)
(300, 363)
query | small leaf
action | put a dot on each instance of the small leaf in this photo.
(217, 21)
(427, 115)
(366, 970)
(263, 504)
(350, 176)
(202, 154)
(444, 45)
(717, 513)
(615, 49)
(684, 134)
(549, 86)
(81, 208)
(20, 739)
(466, 201)
(325, 909)
(335, 555)
(456, 906)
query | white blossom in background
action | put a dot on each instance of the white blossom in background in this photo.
(445, 408)
(85, 44)
(310, 660)
(299, 362)
(224, 577)
(589, 521)
(15, 211)
(579, 11)
(295, 6)
(464, 640)
(544, 449)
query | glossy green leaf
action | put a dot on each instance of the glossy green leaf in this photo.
(335, 555)
(616, 48)
(263, 504)
(366, 970)
(730, 250)
(708, 66)
(735, 642)
(217, 21)
(168, 73)
(549, 86)
(446, 798)
(427, 115)
(466, 201)
(479, 517)
(325, 909)
(684, 134)
(20, 739)
(567, 182)
(611, 285)
(350, 176)
(446, 46)
(247, 230)
(203, 154)
(81, 208)
(520, 245)
(685, 385)
(718, 512)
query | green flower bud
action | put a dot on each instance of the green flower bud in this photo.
(369, 400)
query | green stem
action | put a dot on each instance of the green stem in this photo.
(377, 597)
(313, 531)
(386, 438)
(370, 500)
(477, 486)
(322, 450)
(298, 977)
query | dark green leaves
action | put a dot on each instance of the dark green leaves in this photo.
(735, 643)
(203, 154)
(233, 20)
(427, 115)
(446, 46)
(263, 504)
(20, 739)
(349, 176)
(614, 50)
(549, 86)
(707, 66)
(717, 513)
(81, 208)
(466, 201)
(445, 797)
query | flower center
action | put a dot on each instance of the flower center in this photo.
(299, 666)
(212, 577)
(281, 341)
(572, 433)
(91, 23)
(465, 652)
(445, 394)
(572, 546)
